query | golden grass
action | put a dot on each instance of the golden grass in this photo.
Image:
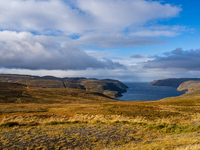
(69, 136)
(162, 142)
(57, 116)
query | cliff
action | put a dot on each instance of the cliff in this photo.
(175, 82)
(108, 87)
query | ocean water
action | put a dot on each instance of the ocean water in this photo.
(148, 92)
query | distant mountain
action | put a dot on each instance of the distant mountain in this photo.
(175, 82)
(108, 87)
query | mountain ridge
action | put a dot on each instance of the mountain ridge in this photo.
(108, 87)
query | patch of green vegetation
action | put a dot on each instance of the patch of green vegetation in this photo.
(171, 128)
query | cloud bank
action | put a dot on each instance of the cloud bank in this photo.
(176, 59)
(27, 51)
(80, 16)
(111, 41)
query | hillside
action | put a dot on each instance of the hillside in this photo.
(175, 82)
(20, 94)
(108, 87)
(189, 86)
(11, 92)
(60, 118)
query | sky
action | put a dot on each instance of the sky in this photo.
(127, 40)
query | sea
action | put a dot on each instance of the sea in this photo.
(148, 92)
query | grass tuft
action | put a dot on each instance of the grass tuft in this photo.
(10, 124)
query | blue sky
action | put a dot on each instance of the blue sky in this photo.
(129, 40)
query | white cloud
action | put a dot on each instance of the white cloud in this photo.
(154, 30)
(110, 41)
(80, 16)
(41, 16)
(155, 33)
(133, 73)
(126, 13)
(27, 51)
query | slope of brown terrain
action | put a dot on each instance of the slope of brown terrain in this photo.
(111, 88)
(59, 118)
(189, 86)
(11, 92)
(172, 81)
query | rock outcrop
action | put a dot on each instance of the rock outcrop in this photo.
(108, 87)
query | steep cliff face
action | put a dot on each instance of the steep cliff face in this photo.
(189, 86)
(108, 87)
(175, 82)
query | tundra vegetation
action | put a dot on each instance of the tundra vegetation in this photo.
(60, 118)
